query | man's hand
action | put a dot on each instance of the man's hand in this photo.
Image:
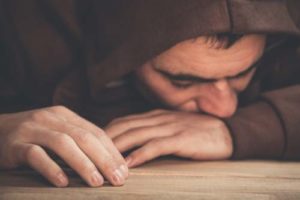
(162, 132)
(81, 144)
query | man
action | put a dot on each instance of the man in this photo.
(195, 57)
(202, 75)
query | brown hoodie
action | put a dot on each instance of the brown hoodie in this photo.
(65, 52)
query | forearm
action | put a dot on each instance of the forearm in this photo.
(268, 129)
(256, 132)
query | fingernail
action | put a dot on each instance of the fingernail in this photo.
(124, 170)
(97, 179)
(62, 180)
(118, 177)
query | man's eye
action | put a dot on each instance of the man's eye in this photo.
(182, 84)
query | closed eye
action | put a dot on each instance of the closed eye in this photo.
(183, 81)
(182, 84)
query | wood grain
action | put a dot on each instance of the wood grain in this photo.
(169, 178)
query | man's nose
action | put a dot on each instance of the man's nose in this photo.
(220, 100)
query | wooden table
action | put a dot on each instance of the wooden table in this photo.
(170, 179)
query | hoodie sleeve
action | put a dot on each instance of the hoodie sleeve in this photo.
(269, 128)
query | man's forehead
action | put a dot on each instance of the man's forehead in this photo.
(199, 60)
(208, 67)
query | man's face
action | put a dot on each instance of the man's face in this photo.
(201, 75)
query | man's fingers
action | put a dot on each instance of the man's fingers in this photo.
(139, 136)
(122, 125)
(118, 129)
(82, 132)
(153, 149)
(90, 139)
(145, 115)
(37, 158)
(101, 151)
(66, 148)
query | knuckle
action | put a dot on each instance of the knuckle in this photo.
(23, 127)
(32, 152)
(156, 146)
(101, 134)
(59, 109)
(156, 143)
(83, 138)
(39, 116)
(62, 139)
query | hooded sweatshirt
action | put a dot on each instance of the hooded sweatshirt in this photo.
(69, 52)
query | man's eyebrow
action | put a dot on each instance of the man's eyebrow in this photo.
(198, 79)
(183, 77)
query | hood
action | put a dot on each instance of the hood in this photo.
(122, 35)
